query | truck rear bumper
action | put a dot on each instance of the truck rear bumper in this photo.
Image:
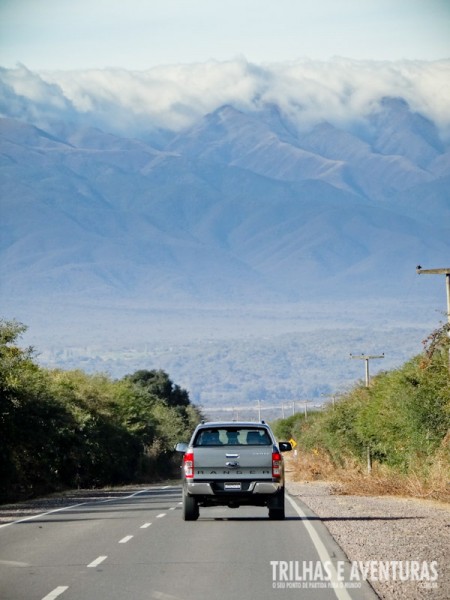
(203, 488)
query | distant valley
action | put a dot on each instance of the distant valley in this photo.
(239, 212)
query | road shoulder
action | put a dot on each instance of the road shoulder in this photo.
(383, 530)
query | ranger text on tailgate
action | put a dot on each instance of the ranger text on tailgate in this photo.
(231, 464)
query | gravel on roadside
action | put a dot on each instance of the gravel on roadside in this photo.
(385, 528)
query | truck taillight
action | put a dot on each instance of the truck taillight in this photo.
(276, 464)
(188, 465)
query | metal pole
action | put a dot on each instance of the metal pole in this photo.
(445, 272)
(447, 281)
(366, 358)
(306, 410)
(332, 396)
(259, 410)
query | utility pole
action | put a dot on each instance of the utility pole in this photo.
(259, 410)
(445, 272)
(306, 410)
(367, 358)
(332, 396)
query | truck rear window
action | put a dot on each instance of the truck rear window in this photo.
(232, 437)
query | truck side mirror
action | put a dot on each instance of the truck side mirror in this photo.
(181, 447)
(285, 446)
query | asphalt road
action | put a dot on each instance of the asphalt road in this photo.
(138, 547)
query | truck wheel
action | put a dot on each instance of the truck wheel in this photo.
(276, 507)
(190, 508)
(276, 513)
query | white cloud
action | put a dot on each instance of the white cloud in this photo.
(341, 91)
(27, 96)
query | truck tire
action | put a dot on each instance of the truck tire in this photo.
(276, 507)
(276, 513)
(190, 508)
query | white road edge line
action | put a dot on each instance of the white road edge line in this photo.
(324, 556)
(55, 510)
(14, 563)
(97, 561)
(137, 493)
(56, 592)
(41, 515)
(145, 525)
(126, 539)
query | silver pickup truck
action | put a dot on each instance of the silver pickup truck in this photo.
(231, 464)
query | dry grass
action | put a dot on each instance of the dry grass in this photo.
(310, 466)
(353, 479)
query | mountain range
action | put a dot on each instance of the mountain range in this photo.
(239, 207)
(245, 254)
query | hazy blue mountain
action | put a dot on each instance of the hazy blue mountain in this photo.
(239, 207)
(244, 255)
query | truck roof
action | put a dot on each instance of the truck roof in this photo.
(233, 424)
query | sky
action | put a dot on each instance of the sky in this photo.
(142, 34)
(126, 66)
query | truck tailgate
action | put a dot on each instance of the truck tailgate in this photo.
(233, 462)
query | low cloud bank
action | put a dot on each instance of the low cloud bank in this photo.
(341, 91)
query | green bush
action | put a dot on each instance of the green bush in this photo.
(403, 417)
(69, 429)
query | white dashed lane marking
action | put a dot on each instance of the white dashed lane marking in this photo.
(97, 561)
(126, 539)
(56, 592)
(62, 588)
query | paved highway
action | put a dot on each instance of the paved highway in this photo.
(138, 547)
